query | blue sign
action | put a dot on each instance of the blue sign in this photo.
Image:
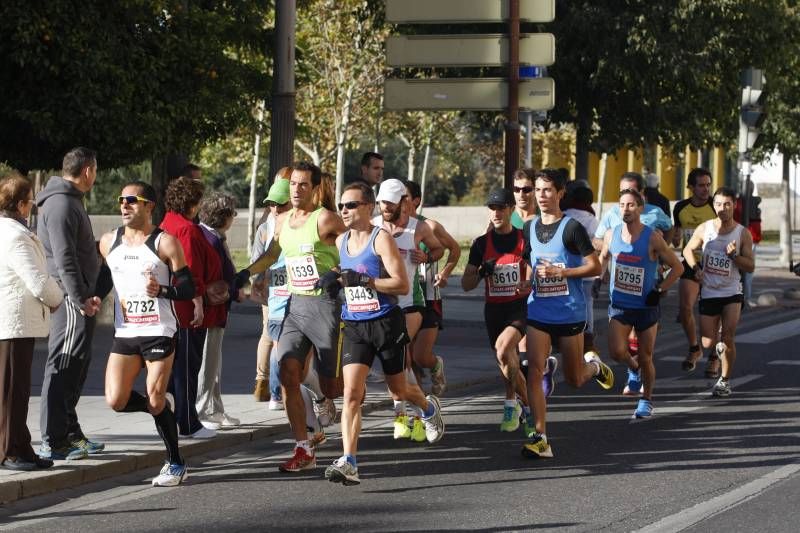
(530, 72)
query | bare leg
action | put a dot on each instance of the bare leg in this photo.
(538, 344)
(355, 377)
(508, 360)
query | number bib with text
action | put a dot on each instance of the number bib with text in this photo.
(629, 279)
(552, 286)
(139, 310)
(504, 280)
(717, 263)
(303, 272)
(361, 299)
(278, 282)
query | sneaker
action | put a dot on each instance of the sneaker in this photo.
(325, 411)
(62, 453)
(202, 433)
(401, 429)
(417, 430)
(275, 404)
(721, 389)
(171, 475)
(318, 439)
(212, 422)
(644, 409)
(634, 386)
(538, 447)
(511, 415)
(90, 446)
(606, 376)
(548, 379)
(375, 376)
(170, 399)
(341, 471)
(301, 460)
(434, 426)
(229, 421)
(690, 362)
(529, 427)
(713, 367)
(261, 391)
(438, 381)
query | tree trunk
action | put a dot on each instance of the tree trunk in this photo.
(786, 224)
(281, 146)
(341, 141)
(602, 184)
(412, 154)
(164, 168)
(425, 163)
(251, 205)
(582, 128)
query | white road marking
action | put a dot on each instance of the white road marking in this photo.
(771, 334)
(784, 362)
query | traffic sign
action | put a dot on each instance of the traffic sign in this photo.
(489, 50)
(455, 11)
(473, 94)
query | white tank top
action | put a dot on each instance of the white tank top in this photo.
(721, 278)
(406, 241)
(135, 313)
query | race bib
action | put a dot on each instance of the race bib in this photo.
(629, 279)
(717, 263)
(139, 310)
(552, 286)
(504, 280)
(361, 299)
(303, 273)
(279, 282)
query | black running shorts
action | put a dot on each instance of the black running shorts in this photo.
(384, 337)
(150, 348)
(499, 316)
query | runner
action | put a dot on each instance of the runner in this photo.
(408, 233)
(496, 257)
(524, 201)
(727, 252)
(306, 236)
(373, 275)
(142, 259)
(432, 279)
(561, 254)
(689, 214)
(634, 250)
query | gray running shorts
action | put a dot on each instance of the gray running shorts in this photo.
(313, 321)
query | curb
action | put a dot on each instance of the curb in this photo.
(76, 473)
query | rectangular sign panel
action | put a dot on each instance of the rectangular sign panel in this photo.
(475, 94)
(454, 11)
(467, 50)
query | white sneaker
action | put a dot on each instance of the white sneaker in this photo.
(325, 411)
(229, 421)
(275, 405)
(375, 376)
(434, 426)
(202, 433)
(170, 476)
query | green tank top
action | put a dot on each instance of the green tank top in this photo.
(516, 220)
(307, 257)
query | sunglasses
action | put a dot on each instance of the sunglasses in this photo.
(131, 199)
(527, 189)
(351, 205)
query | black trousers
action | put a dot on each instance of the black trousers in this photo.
(183, 385)
(16, 356)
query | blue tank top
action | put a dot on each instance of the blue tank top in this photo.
(633, 273)
(555, 300)
(278, 289)
(364, 303)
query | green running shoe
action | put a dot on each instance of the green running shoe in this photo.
(510, 421)
(417, 433)
(401, 429)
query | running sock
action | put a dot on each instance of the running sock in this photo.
(428, 411)
(510, 403)
(136, 403)
(350, 459)
(306, 445)
(312, 381)
(399, 407)
(308, 400)
(526, 411)
(167, 428)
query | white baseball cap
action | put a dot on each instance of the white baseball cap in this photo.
(392, 190)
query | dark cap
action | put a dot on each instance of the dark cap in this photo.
(500, 197)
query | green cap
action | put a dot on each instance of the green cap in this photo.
(278, 193)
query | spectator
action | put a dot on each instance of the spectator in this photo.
(372, 168)
(652, 195)
(27, 295)
(72, 259)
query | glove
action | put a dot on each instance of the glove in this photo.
(596, 284)
(241, 279)
(652, 297)
(329, 282)
(487, 268)
(351, 278)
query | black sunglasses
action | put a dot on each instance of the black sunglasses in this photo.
(351, 205)
(525, 189)
(132, 199)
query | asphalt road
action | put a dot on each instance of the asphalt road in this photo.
(700, 464)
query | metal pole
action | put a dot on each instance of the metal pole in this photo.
(281, 146)
(512, 122)
(529, 139)
(786, 214)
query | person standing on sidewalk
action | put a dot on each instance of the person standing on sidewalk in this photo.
(727, 252)
(27, 296)
(496, 257)
(143, 259)
(634, 250)
(72, 259)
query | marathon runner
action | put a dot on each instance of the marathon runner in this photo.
(727, 251)
(634, 250)
(143, 259)
(524, 201)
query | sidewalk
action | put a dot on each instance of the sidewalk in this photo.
(131, 440)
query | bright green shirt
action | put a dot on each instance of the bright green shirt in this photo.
(307, 257)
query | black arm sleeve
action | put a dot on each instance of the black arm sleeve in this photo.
(526, 234)
(183, 288)
(104, 282)
(576, 240)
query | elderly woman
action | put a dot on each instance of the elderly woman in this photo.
(217, 211)
(27, 295)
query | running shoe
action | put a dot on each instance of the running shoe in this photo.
(538, 447)
(318, 439)
(301, 460)
(634, 386)
(325, 411)
(90, 446)
(171, 475)
(202, 433)
(644, 409)
(434, 425)
(401, 429)
(341, 471)
(713, 367)
(375, 376)
(438, 381)
(275, 404)
(511, 415)
(548, 378)
(721, 389)
(62, 453)
(213, 422)
(606, 376)
(529, 427)
(417, 430)
(633, 347)
(690, 362)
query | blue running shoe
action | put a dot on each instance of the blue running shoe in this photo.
(62, 453)
(644, 409)
(548, 378)
(91, 447)
(171, 475)
(634, 386)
